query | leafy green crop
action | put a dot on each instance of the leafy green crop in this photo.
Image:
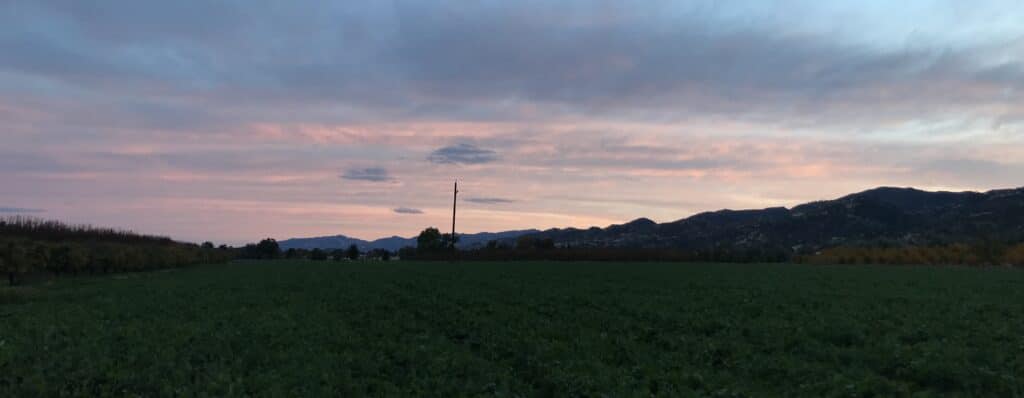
(283, 328)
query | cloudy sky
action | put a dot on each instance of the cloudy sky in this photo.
(237, 120)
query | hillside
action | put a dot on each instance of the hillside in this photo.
(880, 216)
(883, 215)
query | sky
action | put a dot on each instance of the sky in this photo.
(233, 121)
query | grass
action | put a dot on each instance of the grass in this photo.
(518, 329)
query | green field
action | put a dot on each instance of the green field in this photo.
(517, 329)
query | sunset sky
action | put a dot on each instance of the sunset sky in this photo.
(237, 120)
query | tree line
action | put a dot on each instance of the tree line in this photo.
(983, 252)
(269, 249)
(32, 247)
(432, 245)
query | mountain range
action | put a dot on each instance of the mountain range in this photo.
(466, 241)
(880, 216)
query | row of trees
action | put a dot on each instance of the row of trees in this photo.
(351, 254)
(30, 246)
(270, 249)
(432, 245)
(978, 253)
(37, 247)
(500, 253)
(37, 229)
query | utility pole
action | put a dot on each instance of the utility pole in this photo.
(455, 197)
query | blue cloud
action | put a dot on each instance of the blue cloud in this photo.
(372, 174)
(462, 154)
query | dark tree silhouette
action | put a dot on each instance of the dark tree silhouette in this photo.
(429, 240)
(338, 254)
(268, 248)
(317, 255)
(379, 254)
(353, 252)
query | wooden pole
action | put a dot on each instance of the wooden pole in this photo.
(455, 197)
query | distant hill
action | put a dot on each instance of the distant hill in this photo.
(466, 241)
(324, 242)
(883, 215)
(880, 216)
